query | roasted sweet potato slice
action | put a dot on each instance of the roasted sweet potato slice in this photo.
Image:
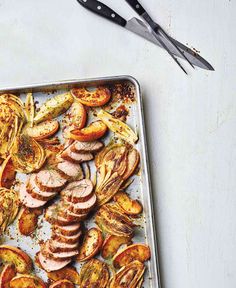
(7, 274)
(43, 130)
(128, 205)
(90, 133)
(94, 273)
(130, 276)
(27, 281)
(28, 220)
(92, 244)
(98, 97)
(7, 173)
(111, 245)
(68, 273)
(16, 256)
(140, 252)
(62, 284)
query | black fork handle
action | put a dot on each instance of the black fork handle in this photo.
(136, 6)
(103, 10)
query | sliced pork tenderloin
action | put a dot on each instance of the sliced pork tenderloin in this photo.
(52, 217)
(80, 147)
(56, 246)
(70, 171)
(50, 180)
(66, 239)
(35, 192)
(82, 207)
(67, 231)
(49, 264)
(70, 216)
(46, 251)
(78, 191)
(28, 200)
(76, 157)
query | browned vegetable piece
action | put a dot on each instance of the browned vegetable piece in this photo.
(16, 256)
(115, 164)
(92, 132)
(111, 245)
(12, 118)
(94, 273)
(140, 252)
(75, 118)
(27, 281)
(121, 129)
(50, 141)
(7, 173)
(43, 130)
(62, 284)
(69, 273)
(29, 108)
(130, 276)
(98, 97)
(7, 274)
(53, 107)
(27, 154)
(28, 220)
(9, 207)
(111, 220)
(132, 163)
(128, 205)
(92, 244)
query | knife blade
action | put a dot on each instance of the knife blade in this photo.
(138, 27)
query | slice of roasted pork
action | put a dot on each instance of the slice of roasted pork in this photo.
(52, 217)
(50, 180)
(66, 239)
(46, 250)
(49, 264)
(28, 200)
(76, 157)
(82, 207)
(70, 171)
(67, 231)
(78, 191)
(71, 217)
(86, 146)
(35, 192)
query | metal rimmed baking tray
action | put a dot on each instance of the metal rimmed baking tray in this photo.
(140, 188)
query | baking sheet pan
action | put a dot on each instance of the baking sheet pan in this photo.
(140, 188)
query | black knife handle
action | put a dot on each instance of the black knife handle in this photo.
(136, 6)
(103, 10)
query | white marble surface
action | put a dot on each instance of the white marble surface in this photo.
(191, 120)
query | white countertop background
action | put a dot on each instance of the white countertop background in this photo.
(190, 120)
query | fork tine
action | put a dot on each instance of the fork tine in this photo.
(176, 47)
(167, 49)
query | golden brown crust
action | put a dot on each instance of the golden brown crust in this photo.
(91, 245)
(16, 256)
